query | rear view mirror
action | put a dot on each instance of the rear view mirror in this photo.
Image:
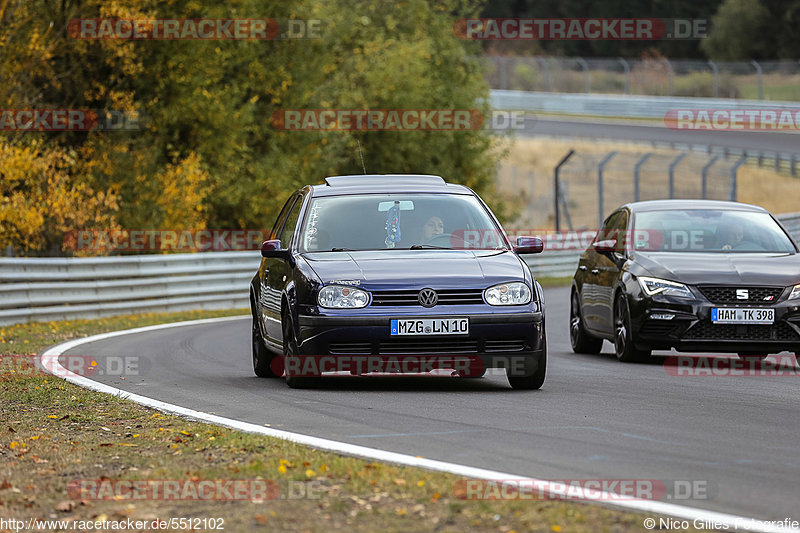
(405, 205)
(271, 248)
(529, 245)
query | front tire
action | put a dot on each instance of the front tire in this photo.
(579, 339)
(624, 347)
(289, 350)
(535, 380)
(262, 358)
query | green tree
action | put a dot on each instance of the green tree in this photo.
(740, 31)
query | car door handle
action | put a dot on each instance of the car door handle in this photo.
(595, 271)
(582, 268)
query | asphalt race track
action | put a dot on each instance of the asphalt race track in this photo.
(594, 417)
(752, 141)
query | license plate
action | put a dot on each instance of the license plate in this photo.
(730, 315)
(430, 326)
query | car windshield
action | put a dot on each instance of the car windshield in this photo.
(708, 230)
(399, 221)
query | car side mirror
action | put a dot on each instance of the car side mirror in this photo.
(529, 245)
(606, 246)
(271, 248)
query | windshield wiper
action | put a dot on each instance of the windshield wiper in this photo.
(432, 246)
(342, 250)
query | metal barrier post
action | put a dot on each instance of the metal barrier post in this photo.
(760, 80)
(734, 171)
(706, 168)
(586, 82)
(636, 169)
(557, 185)
(600, 206)
(672, 173)
(716, 77)
(627, 68)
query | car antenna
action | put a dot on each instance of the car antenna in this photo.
(362, 156)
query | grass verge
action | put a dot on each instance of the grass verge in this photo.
(548, 281)
(55, 435)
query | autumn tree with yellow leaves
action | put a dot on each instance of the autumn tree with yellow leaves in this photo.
(205, 154)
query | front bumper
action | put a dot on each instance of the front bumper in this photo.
(495, 340)
(691, 328)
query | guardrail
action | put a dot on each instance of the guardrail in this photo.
(613, 105)
(41, 289)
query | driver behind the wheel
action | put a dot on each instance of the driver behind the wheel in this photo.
(734, 235)
(432, 229)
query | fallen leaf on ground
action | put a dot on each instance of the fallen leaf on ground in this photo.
(65, 506)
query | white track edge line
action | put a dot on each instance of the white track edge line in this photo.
(49, 360)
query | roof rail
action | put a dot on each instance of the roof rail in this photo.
(379, 179)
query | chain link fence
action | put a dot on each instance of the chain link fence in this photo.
(591, 185)
(753, 80)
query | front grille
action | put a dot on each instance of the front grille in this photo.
(511, 345)
(658, 328)
(756, 295)
(779, 331)
(446, 297)
(345, 348)
(428, 346)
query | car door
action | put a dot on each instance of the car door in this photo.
(609, 265)
(275, 271)
(595, 269)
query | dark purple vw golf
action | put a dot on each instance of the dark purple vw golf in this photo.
(395, 273)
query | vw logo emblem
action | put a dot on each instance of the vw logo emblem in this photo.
(428, 298)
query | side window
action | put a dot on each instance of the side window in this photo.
(607, 231)
(291, 223)
(281, 217)
(621, 232)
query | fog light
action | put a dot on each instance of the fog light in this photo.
(662, 316)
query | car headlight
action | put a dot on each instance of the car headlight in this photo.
(338, 297)
(653, 286)
(795, 292)
(516, 293)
